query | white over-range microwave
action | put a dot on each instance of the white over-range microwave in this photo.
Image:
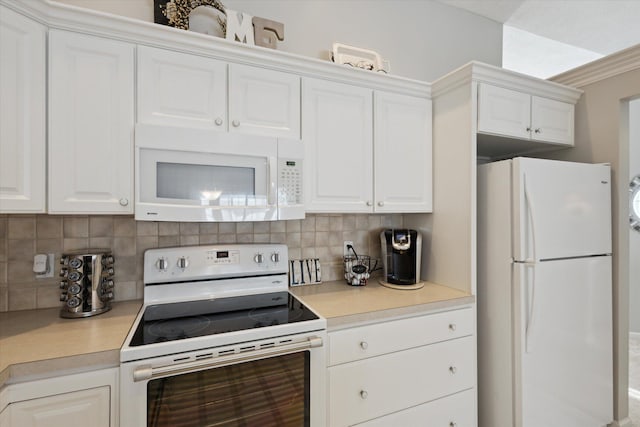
(185, 174)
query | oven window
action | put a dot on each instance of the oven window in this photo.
(210, 184)
(265, 392)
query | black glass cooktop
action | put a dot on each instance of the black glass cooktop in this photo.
(176, 321)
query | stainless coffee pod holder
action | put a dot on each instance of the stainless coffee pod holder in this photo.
(87, 282)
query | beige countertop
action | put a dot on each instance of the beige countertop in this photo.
(344, 305)
(38, 343)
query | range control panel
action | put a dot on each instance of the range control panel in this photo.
(178, 264)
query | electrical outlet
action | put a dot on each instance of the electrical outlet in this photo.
(346, 251)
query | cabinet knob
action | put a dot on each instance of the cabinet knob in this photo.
(452, 327)
(218, 121)
(453, 424)
(380, 203)
(124, 201)
(369, 203)
(453, 370)
(538, 130)
(528, 129)
(235, 123)
(364, 394)
(364, 345)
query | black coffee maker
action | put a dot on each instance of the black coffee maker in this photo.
(401, 253)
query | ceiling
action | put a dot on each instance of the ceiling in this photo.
(600, 26)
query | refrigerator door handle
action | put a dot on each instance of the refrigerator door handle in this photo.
(530, 214)
(530, 295)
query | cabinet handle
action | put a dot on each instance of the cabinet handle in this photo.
(529, 129)
(538, 130)
(452, 327)
(364, 394)
(124, 201)
(218, 121)
(364, 345)
(453, 370)
(369, 203)
(453, 424)
(235, 123)
(380, 203)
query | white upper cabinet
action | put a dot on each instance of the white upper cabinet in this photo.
(402, 153)
(91, 114)
(264, 102)
(22, 113)
(181, 89)
(337, 135)
(552, 121)
(343, 135)
(516, 114)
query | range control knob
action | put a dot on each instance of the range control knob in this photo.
(162, 264)
(63, 285)
(275, 257)
(183, 262)
(259, 258)
(63, 272)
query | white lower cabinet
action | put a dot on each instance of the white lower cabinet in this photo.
(88, 398)
(456, 410)
(419, 371)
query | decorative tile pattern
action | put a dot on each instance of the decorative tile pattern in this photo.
(23, 236)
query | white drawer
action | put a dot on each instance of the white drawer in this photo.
(457, 410)
(367, 389)
(382, 338)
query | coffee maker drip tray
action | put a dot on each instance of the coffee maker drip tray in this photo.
(412, 286)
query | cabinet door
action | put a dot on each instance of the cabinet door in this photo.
(91, 406)
(552, 121)
(181, 89)
(90, 124)
(22, 113)
(503, 111)
(402, 172)
(338, 140)
(264, 102)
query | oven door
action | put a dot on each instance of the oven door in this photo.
(201, 175)
(277, 382)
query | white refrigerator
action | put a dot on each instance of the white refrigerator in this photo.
(545, 346)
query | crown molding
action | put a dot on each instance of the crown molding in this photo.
(71, 18)
(601, 69)
(485, 73)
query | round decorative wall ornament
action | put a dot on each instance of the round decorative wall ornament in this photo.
(634, 203)
(177, 12)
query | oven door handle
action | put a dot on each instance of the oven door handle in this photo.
(147, 372)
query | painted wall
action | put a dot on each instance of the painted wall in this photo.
(634, 237)
(423, 40)
(602, 130)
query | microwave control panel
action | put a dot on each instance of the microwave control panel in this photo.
(290, 181)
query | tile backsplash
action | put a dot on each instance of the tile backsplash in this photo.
(23, 236)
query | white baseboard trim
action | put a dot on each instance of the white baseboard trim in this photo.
(625, 422)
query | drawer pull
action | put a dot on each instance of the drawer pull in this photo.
(452, 327)
(453, 370)
(364, 345)
(364, 394)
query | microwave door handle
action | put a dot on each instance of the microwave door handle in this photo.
(272, 172)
